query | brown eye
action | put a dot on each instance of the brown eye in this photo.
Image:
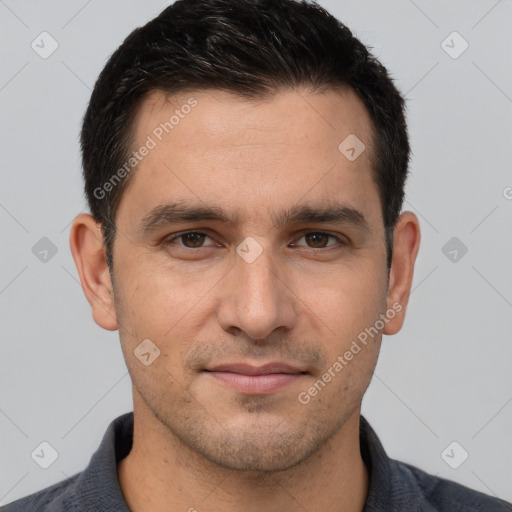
(194, 239)
(319, 240)
(190, 240)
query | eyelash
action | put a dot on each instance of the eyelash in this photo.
(170, 240)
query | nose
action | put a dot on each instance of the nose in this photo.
(257, 298)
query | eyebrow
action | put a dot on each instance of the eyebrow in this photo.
(172, 213)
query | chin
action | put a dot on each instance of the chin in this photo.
(263, 448)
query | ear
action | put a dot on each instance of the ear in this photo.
(406, 242)
(86, 242)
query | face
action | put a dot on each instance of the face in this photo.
(250, 251)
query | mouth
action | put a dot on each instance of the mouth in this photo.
(250, 379)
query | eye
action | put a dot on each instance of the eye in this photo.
(196, 240)
(190, 239)
(319, 240)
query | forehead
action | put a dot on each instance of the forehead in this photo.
(252, 155)
(297, 116)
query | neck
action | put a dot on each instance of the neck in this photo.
(162, 474)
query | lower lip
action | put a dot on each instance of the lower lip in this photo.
(256, 384)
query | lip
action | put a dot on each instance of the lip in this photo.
(250, 369)
(255, 380)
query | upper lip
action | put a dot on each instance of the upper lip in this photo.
(250, 369)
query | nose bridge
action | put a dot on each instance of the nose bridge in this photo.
(258, 280)
(256, 300)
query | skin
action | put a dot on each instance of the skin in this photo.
(199, 444)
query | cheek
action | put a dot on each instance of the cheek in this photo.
(353, 380)
(158, 296)
(349, 301)
(350, 340)
(350, 306)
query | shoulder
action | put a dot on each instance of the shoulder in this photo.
(445, 495)
(397, 485)
(55, 498)
(96, 487)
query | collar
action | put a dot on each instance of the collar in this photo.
(389, 481)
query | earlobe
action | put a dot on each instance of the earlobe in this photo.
(406, 243)
(86, 243)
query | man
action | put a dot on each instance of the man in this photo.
(245, 163)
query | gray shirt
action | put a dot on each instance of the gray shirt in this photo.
(394, 486)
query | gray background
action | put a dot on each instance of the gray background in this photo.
(445, 377)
